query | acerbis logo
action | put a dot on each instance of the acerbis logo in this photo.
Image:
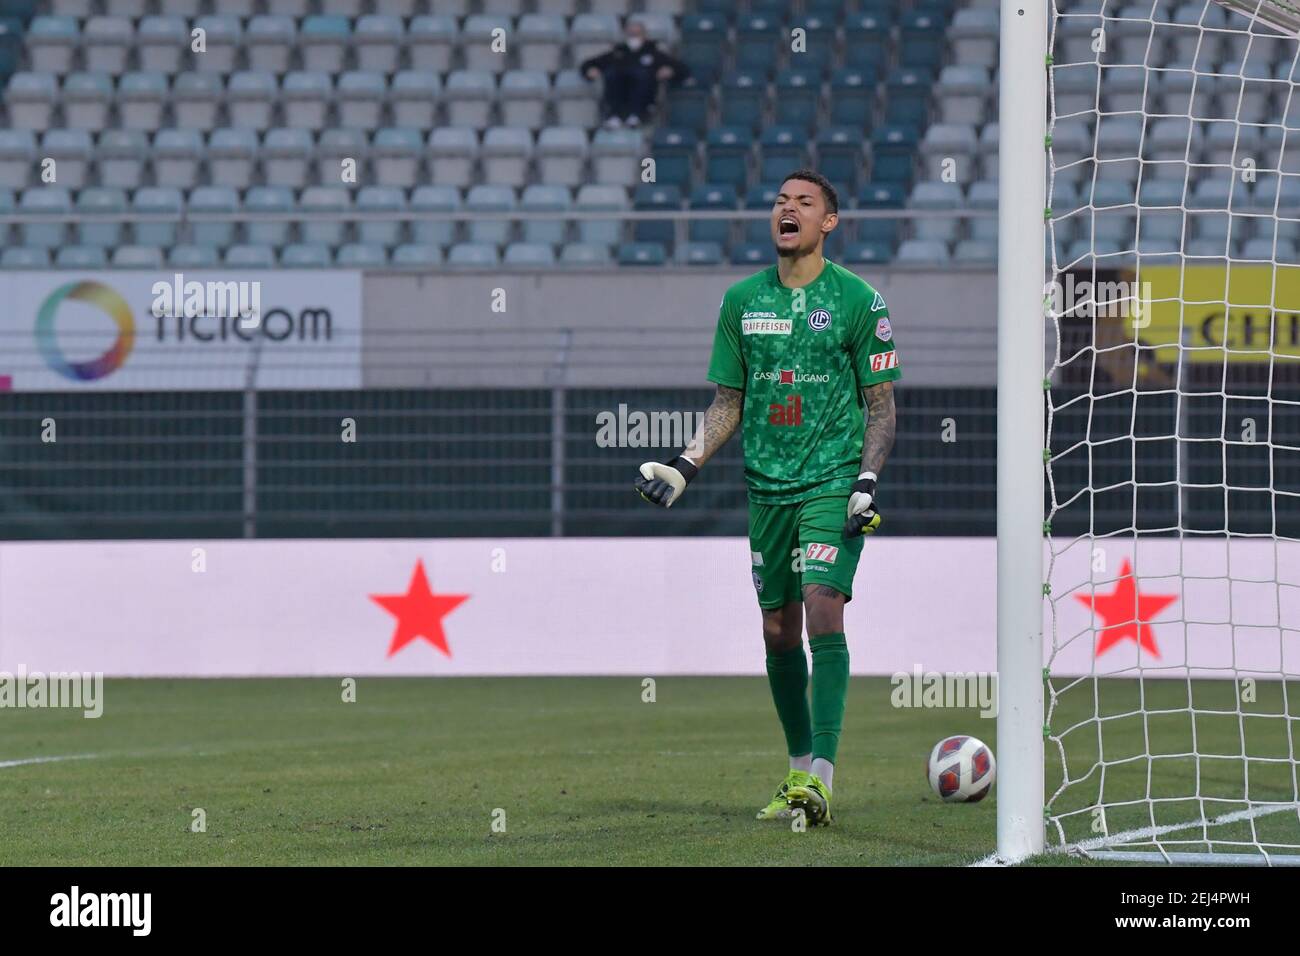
(819, 319)
(787, 376)
(112, 304)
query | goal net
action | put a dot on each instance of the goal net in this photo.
(1172, 629)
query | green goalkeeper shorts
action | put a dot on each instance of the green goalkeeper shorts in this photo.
(803, 543)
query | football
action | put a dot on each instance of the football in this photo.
(961, 769)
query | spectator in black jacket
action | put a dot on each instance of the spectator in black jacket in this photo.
(632, 71)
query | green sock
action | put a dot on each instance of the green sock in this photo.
(830, 685)
(787, 673)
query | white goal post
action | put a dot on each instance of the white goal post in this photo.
(1148, 429)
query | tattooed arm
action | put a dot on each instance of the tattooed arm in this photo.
(881, 424)
(721, 420)
(663, 484)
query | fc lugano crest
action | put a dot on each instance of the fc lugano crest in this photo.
(819, 319)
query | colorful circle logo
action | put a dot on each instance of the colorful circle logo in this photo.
(93, 293)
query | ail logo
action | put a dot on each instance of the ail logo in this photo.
(789, 414)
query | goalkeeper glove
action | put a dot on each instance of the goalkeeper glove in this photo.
(863, 516)
(664, 484)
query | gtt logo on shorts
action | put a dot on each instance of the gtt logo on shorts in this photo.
(822, 552)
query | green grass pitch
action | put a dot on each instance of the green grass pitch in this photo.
(581, 770)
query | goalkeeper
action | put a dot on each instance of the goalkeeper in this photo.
(800, 348)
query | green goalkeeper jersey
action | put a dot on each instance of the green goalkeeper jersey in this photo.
(802, 357)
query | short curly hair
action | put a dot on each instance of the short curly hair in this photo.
(828, 191)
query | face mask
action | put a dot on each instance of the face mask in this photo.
(634, 43)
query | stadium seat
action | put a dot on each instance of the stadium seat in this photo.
(641, 254)
(758, 42)
(306, 255)
(593, 33)
(270, 41)
(86, 100)
(818, 28)
(654, 197)
(866, 253)
(937, 196)
(727, 159)
(17, 157)
(585, 254)
(360, 255)
(798, 95)
(232, 156)
(975, 251)
(545, 198)
(674, 150)
(907, 97)
(743, 100)
(490, 227)
(561, 155)
(80, 257)
(751, 254)
(453, 156)
(224, 37)
(760, 198)
(592, 198)
(268, 201)
(576, 100)
(529, 255)
(395, 154)
(30, 99)
(469, 97)
(193, 257)
(286, 157)
(973, 37)
(250, 256)
(852, 97)
(984, 195)
(377, 40)
(963, 94)
(334, 147)
(523, 98)
(323, 42)
(196, 100)
(542, 38)
(105, 43)
(359, 99)
(782, 149)
(305, 99)
(324, 200)
(841, 156)
(955, 142)
(93, 202)
(416, 255)
(161, 43)
(430, 39)
(24, 257)
(157, 201)
(616, 156)
(137, 257)
(176, 155)
(477, 37)
(928, 252)
(211, 199)
(700, 254)
(413, 98)
(439, 200)
(714, 196)
(141, 100)
(703, 36)
(473, 255)
(251, 99)
(52, 43)
(505, 154)
(922, 36)
(866, 40)
(893, 153)
(380, 199)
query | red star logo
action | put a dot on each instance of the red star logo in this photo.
(787, 377)
(1127, 613)
(419, 612)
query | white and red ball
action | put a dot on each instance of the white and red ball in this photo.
(961, 769)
